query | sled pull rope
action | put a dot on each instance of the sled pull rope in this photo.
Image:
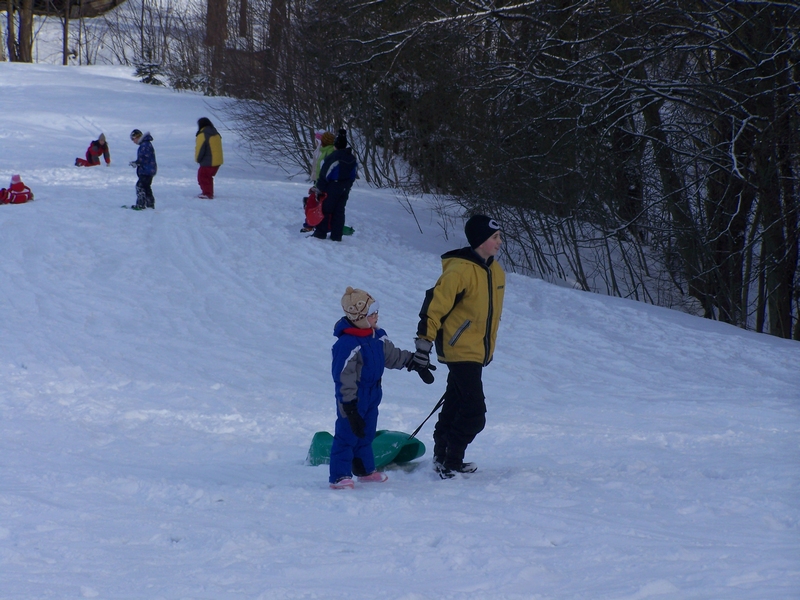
(435, 408)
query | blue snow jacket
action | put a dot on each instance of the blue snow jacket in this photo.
(359, 358)
(338, 172)
(146, 156)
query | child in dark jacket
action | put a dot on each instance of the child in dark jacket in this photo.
(336, 176)
(146, 169)
(96, 149)
(360, 354)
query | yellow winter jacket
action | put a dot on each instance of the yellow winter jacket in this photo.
(461, 313)
(208, 147)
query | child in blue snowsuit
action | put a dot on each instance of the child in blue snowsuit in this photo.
(146, 169)
(360, 354)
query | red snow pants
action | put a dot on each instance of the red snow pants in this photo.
(205, 177)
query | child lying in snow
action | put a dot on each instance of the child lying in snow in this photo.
(17, 192)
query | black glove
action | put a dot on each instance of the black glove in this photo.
(425, 374)
(356, 421)
(421, 359)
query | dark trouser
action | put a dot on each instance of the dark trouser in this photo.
(333, 209)
(463, 414)
(144, 193)
(205, 177)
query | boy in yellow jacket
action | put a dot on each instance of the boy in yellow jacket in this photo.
(460, 315)
(208, 154)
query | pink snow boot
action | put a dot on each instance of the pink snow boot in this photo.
(373, 477)
(345, 483)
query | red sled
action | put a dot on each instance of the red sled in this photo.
(313, 207)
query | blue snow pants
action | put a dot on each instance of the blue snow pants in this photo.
(349, 454)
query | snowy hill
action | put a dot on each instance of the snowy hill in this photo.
(162, 374)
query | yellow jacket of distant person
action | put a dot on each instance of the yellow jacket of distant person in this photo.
(461, 313)
(208, 147)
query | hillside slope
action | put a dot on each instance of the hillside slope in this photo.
(162, 374)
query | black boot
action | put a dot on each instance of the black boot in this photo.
(448, 471)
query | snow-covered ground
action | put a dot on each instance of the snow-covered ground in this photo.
(162, 374)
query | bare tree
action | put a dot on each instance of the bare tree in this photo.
(644, 149)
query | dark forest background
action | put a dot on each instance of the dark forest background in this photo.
(646, 149)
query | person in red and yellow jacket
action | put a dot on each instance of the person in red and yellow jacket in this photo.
(208, 154)
(96, 149)
(461, 315)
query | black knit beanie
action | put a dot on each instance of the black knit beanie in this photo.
(341, 140)
(480, 228)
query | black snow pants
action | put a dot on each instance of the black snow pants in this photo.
(333, 208)
(144, 193)
(463, 414)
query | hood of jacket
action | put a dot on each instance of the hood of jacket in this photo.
(469, 254)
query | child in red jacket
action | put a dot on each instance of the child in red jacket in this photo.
(17, 192)
(96, 149)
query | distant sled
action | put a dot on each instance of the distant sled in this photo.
(388, 447)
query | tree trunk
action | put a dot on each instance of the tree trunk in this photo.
(780, 230)
(65, 39)
(275, 41)
(26, 31)
(13, 53)
(684, 230)
(216, 35)
(727, 207)
(244, 28)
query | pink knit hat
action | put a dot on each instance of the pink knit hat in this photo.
(15, 179)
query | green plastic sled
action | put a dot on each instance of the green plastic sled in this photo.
(388, 447)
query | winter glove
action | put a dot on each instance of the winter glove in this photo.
(422, 357)
(356, 421)
(133, 163)
(424, 374)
